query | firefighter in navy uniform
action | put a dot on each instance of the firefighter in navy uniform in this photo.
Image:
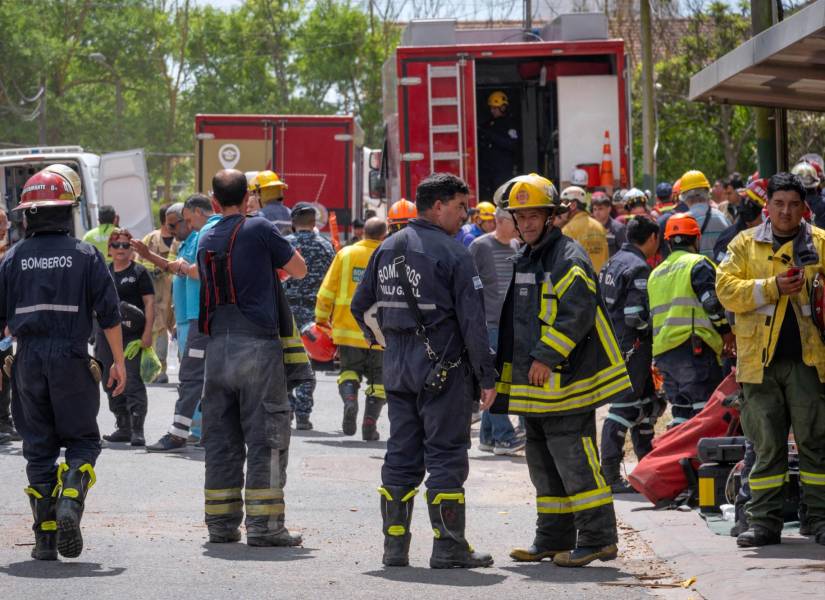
(558, 361)
(50, 284)
(623, 283)
(245, 408)
(436, 340)
(498, 144)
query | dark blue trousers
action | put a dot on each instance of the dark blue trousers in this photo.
(55, 405)
(429, 433)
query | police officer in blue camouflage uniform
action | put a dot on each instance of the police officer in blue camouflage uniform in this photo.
(50, 285)
(301, 293)
(430, 310)
(623, 284)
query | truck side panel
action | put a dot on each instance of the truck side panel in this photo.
(437, 120)
(313, 154)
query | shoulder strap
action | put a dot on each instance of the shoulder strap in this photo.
(401, 262)
(706, 221)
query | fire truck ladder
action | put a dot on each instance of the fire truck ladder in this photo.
(452, 130)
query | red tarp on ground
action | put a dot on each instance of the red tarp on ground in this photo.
(659, 476)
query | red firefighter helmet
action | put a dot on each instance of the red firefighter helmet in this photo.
(44, 189)
(318, 342)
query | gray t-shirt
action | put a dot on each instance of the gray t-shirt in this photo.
(495, 270)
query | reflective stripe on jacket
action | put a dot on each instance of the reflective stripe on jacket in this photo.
(554, 313)
(337, 289)
(675, 309)
(746, 285)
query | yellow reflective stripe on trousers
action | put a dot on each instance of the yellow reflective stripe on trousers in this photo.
(223, 508)
(767, 483)
(259, 510)
(377, 390)
(224, 494)
(808, 478)
(264, 494)
(558, 341)
(457, 496)
(294, 359)
(575, 503)
(593, 461)
(48, 526)
(291, 342)
(348, 376)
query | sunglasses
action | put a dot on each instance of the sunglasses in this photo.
(120, 245)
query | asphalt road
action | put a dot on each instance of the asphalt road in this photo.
(145, 536)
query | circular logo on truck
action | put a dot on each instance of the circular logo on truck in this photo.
(229, 155)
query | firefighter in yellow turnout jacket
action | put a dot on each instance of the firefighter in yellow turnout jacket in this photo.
(559, 361)
(358, 358)
(766, 280)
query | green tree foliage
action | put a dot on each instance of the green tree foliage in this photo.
(716, 139)
(121, 74)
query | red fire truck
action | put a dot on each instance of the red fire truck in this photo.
(319, 157)
(566, 83)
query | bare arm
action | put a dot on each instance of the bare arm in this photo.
(296, 267)
(114, 337)
(149, 313)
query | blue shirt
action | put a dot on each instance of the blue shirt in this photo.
(278, 214)
(185, 290)
(259, 250)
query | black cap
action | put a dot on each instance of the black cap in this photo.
(357, 223)
(302, 207)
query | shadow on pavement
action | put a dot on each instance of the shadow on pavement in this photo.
(547, 571)
(499, 458)
(350, 444)
(314, 433)
(448, 577)
(38, 569)
(242, 552)
(795, 548)
(191, 454)
(12, 449)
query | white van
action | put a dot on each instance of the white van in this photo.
(118, 179)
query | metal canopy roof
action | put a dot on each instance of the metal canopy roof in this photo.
(782, 67)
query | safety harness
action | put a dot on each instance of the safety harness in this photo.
(218, 296)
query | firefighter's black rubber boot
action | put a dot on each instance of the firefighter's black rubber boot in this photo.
(396, 513)
(450, 548)
(74, 485)
(42, 500)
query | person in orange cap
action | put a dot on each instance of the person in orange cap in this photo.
(690, 331)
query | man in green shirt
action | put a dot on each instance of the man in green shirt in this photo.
(99, 236)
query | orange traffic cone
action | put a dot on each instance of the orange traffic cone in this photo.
(606, 174)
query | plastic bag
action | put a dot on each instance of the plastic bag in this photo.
(131, 350)
(150, 366)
